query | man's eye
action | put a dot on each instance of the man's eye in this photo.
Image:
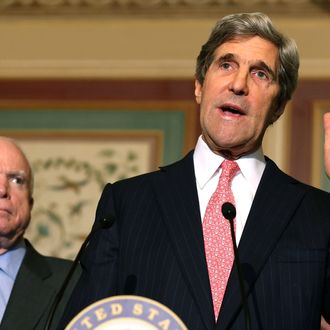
(225, 65)
(261, 75)
(18, 179)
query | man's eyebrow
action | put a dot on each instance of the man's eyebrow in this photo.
(16, 172)
(225, 57)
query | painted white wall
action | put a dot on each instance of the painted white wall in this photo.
(100, 46)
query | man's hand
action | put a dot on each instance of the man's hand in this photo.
(326, 122)
(324, 324)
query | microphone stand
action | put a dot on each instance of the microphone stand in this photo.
(229, 212)
(105, 222)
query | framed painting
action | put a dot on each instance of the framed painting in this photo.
(75, 149)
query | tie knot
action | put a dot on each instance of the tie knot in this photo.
(229, 169)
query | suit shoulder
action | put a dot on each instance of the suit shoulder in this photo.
(58, 263)
(134, 181)
(272, 168)
(312, 191)
(143, 178)
(35, 260)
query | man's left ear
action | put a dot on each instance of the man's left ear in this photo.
(31, 201)
(198, 91)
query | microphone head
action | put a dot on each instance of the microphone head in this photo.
(228, 211)
(107, 221)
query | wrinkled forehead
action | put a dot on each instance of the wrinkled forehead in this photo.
(250, 43)
(12, 159)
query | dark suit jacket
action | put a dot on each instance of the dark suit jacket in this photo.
(38, 280)
(155, 249)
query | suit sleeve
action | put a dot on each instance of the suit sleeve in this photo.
(98, 279)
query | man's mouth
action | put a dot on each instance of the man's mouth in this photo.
(232, 110)
(5, 210)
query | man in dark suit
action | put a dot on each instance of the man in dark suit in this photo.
(28, 280)
(246, 73)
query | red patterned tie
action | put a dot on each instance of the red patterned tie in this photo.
(217, 238)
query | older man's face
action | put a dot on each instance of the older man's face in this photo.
(15, 199)
(237, 96)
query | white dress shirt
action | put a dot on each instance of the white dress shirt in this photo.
(10, 262)
(244, 184)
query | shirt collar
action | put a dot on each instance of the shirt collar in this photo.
(11, 261)
(207, 165)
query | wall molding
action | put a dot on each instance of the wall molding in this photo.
(316, 68)
(164, 7)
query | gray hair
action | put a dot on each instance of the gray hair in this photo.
(254, 24)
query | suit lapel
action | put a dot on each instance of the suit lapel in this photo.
(25, 297)
(276, 199)
(175, 188)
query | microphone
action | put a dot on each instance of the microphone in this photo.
(102, 223)
(229, 212)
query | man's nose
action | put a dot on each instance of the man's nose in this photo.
(3, 187)
(239, 83)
